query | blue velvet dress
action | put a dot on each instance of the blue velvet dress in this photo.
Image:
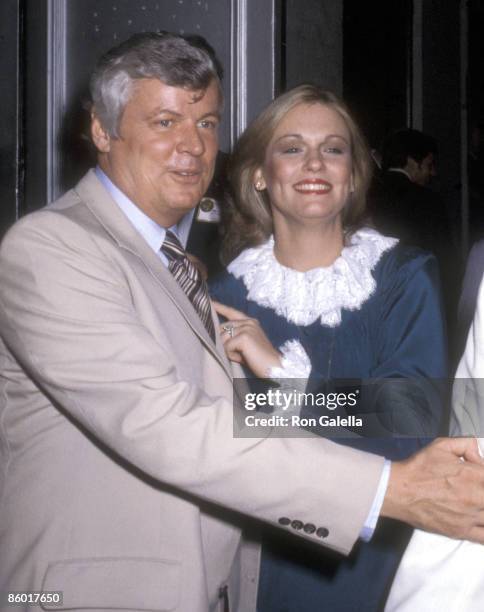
(397, 332)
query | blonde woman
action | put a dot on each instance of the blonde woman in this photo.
(333, 299)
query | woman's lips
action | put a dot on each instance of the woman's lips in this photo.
(317, 186)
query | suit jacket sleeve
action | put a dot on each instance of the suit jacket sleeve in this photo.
(67, 314)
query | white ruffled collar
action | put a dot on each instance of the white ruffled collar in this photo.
(303, 297)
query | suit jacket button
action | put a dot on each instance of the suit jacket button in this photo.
(284, 521)
(297, 525)
(309, 528)
(322, 532)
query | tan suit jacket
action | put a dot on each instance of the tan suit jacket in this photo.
(119, 469)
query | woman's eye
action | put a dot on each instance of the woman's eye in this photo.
(334, 150)
(165, 122)
(291, 150)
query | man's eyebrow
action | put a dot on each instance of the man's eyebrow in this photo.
(161, 111)
(168, 111)
(217, 114)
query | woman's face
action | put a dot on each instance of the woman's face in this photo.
(307, 169)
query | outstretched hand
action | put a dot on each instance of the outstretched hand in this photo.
(245, 341)
(440, 489)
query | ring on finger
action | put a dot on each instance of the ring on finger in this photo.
(228, 328)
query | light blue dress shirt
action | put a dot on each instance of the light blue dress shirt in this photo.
(372, 518)
(153, 233)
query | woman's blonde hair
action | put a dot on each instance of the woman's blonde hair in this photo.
(249, 220)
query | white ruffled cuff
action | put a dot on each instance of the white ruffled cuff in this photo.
(295, 362)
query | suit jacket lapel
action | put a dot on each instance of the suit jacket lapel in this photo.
(104, 208)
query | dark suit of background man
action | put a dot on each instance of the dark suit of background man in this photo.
(403, 205)
(119, 469)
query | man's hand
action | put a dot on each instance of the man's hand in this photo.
(440, 489)
(245, 341)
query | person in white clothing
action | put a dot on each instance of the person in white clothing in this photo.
(438, 573)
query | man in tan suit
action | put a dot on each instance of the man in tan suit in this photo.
(120, 474)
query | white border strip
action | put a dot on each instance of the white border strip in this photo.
(238, 85)
(273, 48)
(464, 208)
(56, 92)
(19, 172)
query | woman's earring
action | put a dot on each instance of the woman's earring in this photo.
(259, 185)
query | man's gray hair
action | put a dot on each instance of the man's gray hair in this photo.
(175, 60)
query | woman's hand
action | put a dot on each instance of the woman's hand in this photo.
(245, 341)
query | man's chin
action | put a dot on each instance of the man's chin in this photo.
(188, 199)
(185, 205)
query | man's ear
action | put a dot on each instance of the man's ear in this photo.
(412, 168)
(100, 137)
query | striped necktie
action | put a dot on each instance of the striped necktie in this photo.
(189, 278)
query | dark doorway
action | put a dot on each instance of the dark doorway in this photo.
(377, 44)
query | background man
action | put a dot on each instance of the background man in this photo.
(120, 473)
(403, 205)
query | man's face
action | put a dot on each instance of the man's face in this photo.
(164, 157)
(426, 170)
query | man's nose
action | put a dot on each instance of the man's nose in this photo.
(191, 141)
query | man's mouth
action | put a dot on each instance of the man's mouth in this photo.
(187, 176)
(317, 186)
